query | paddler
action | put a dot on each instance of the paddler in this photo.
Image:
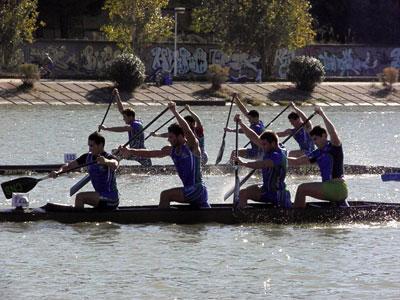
(256, 125)
(186, 154)
(102, 175)
(133, 127)
(329, 157)
(302, 137)
(196, 126)
(273, 165)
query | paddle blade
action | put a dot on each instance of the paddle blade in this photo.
(19, 185)
(390, 177)
(80, 184)
(221, 152)
(236, 191)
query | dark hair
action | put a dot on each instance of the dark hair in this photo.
(318, 131)
(253, 113)
(175, 129)
(293, 116)
(269, 136)
(129, 112)
(97, 138)
(190, 119)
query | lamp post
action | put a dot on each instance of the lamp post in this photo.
(178, 10)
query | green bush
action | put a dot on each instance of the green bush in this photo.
(128, 71)
(306, 72)
(217, 75)
(30, 74)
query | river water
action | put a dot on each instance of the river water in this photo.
(48, 260)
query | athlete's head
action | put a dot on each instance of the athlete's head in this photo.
(319, 136)
(176, 135)
(96, 143)
(129, 115)
(269, 140)
(191, 122)
(253, 116)
(294, 119)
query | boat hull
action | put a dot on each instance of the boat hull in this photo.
(316, 212)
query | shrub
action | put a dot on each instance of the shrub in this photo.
(30, 74)
(128, 71)
(217, 75)
(306, 72)
(389, 76)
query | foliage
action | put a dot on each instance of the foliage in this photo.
(134, 23)
(389, 76)
(261, 26)
(217, 74)
(30, 73)
(128, 71)
(306, 72)
(18, 22)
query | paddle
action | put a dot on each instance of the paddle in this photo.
(273, 120)
(169, 120)
(83, 181)
(77, 186)
(390, 177)
(25, 184)
(237, 179)
(243, 181)
(222, 148)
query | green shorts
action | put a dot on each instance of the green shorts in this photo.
(335, 190)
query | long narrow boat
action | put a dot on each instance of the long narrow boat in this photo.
(208, 169)
(316, 212)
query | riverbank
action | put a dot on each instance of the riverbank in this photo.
(67, 92)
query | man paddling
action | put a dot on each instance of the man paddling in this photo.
(186, 155)
(329, 157)
(102, 175)
(133, 127)
(273, 165)
(196, 126)
(302, 137)
(255, 124)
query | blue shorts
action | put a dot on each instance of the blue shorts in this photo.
(196, 195)
(107, 203)
(278, 199)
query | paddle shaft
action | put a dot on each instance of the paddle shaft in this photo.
(108, 109)
(273, 120)
(222, 148)
(243, 181)
(237, 179)
(169, 120)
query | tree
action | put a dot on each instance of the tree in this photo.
(134, 23)
(18, 22)
(258, 26)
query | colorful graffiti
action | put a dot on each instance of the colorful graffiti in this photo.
(90, 59)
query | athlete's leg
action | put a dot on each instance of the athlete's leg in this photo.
(90, 198)
(252, 192)
(310, 189)
(174, 194)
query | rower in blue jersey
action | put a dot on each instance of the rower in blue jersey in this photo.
(273, 165)
(256, 125)
(102, 175)
(186, 155)
(196, 126)
(133, 127)
(303, 137)
(329, 157)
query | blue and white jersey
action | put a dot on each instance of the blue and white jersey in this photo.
(137, 143)
(187, 165)
(274, 178)
(257, 128)
(304, 140)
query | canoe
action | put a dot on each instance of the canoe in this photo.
(208, 169)
(316, 212)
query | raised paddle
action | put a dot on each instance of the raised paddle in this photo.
(25, 184)
(237, 179)
(83, 181)
(169, 120)
(273, 120)
(77, 186)
(243, 181)
(222, 148)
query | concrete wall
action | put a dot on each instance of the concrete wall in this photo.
(89, 59)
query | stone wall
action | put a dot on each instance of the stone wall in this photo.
(89, 59)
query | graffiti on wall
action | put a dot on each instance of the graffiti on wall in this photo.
(91, 59)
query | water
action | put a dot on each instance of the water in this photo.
(47, 260)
